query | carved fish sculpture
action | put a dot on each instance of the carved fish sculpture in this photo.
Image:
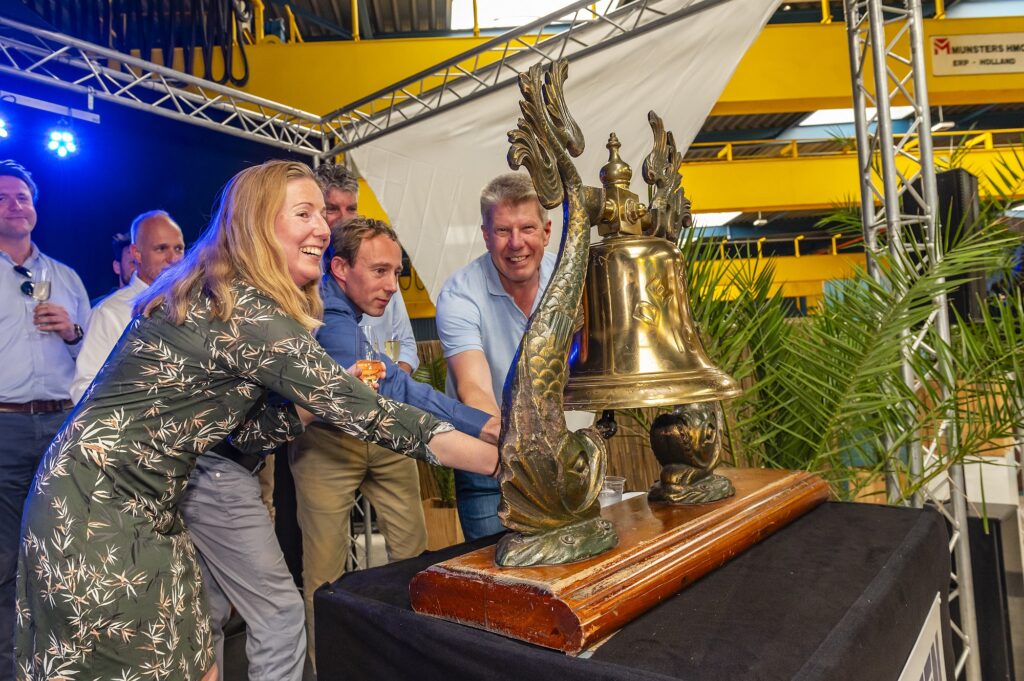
(551, 477)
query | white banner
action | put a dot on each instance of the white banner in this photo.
(961, 55)
(428, 176)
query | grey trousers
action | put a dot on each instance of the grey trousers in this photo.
(242, 565)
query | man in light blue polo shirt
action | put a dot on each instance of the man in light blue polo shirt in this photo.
(38, 342)
(482, 312)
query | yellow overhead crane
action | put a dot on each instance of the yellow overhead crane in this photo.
(785, 178)
(790, 67)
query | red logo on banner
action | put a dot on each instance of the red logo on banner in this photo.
(941, 46)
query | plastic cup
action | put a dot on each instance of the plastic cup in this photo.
(611, 490)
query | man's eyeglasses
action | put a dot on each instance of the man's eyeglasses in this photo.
(27, 287)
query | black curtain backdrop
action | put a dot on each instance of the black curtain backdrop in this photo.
(131, 162)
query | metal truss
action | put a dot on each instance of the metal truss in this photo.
(574, 30)
(887, 37)
(97, 72)
(58, 60)
(359, 557)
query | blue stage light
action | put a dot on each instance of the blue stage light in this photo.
(4, 132)
(62, 143)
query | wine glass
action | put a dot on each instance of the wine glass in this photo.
(370, 363)
(38, 290)
(393, 348)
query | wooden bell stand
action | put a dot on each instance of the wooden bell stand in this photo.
(662, 548)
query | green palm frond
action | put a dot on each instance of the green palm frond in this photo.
(831, 392)
(434, 372)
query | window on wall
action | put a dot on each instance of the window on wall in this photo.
(503, 14)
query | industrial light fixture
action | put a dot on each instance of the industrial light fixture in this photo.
(844, 116)
(942, 124)
(715, 219)
(492, 14)
(760, 221)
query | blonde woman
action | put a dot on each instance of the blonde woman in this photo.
(108, 586)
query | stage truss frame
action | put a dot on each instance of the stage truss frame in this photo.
(888, 68)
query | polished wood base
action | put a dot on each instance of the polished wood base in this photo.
(662, 548)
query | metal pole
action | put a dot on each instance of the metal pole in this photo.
(933, 246)
(355, 20)
(864, 142)
(367, 528)
(866, 23)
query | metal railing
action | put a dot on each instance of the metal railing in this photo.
(703, 152)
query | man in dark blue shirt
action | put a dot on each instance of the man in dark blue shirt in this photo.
(328, 468)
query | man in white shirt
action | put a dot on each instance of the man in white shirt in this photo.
(157, 243)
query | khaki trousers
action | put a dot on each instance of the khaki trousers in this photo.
(328, 467)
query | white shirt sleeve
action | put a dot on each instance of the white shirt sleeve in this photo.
(105, 327)
(401, 328)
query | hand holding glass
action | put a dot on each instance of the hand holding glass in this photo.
(38, 289)
(370, 364)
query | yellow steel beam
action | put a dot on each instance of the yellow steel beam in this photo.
(815, 182)
(790, 67)
(803, 67)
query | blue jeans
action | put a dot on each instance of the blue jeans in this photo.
(23, 440)
(477, 497)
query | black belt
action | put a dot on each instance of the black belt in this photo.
(36, 406)
(253, 463)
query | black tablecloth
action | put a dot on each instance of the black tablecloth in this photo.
(839, 594)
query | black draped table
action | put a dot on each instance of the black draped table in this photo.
(841, 593)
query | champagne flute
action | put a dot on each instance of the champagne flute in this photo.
(369, 362)
(39, 290)
(393, 348)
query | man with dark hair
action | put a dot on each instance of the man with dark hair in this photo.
(341, 193)
(327, 465)
(123, 263)
(482, 312)
(40, 336)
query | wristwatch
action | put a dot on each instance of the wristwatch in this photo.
(78, 336)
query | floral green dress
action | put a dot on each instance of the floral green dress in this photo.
(108, 586)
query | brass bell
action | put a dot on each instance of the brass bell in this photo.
(639, 347)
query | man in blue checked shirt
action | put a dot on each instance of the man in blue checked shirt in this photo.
(40, 335)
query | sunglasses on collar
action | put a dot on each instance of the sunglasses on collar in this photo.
(27, 287)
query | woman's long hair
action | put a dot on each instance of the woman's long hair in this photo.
(240, 244)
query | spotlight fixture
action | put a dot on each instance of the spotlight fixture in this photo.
(760, 221)
(4, 132)
(62, 142)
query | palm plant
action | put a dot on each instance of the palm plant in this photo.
(828, 392)
(434, 372)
